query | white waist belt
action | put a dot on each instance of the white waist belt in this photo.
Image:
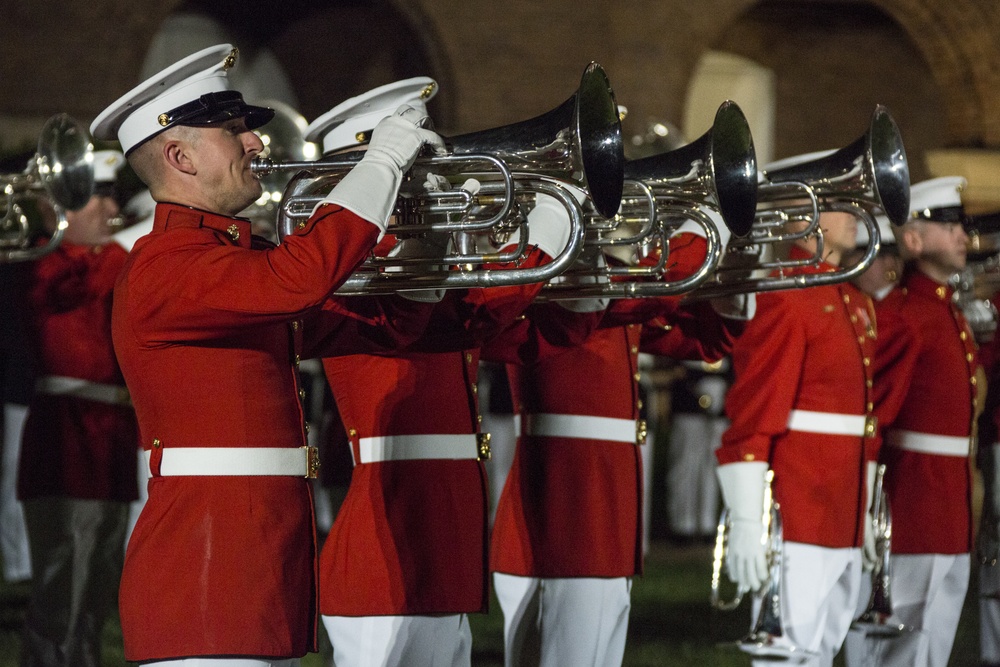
(829, 423)
(929, 443)
(58, 385)
(584, 426)
(236, 461)
(454, 446)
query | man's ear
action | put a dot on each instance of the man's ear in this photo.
(177, 155)
(913, 241)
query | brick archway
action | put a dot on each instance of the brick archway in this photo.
(958, 40)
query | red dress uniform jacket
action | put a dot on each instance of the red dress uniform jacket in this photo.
(72, 446)
(571, 506)
(208, 331)
(411, 535)
(928, 447)
(809, 351)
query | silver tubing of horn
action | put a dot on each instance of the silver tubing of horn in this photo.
(370, 281)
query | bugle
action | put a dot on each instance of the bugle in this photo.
(766, 638)
(60, 173)
(874, 620)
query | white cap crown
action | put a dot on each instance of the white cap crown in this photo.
(350, 123)
(937, 198)
(106, 165)
(186, 93)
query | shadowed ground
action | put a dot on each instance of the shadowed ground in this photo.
(671, 624)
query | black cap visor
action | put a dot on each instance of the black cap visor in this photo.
(215, 108)
(944, 214)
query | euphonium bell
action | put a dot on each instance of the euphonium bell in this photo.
(577, 146)
(580, 140)
(869, 175)
(711, 182)
(872, 170)
(719, 169)
(61, 172)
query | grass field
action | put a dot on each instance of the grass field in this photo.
(671, 623)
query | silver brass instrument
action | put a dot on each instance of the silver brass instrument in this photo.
(874, 620)
(576, 145)
(579, 141)
(61, 173)
(717, 172)
(284, 140)
(869, 174)
(980, 280)
(979, 312)
(766, 639)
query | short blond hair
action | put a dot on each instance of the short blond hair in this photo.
(146, 159)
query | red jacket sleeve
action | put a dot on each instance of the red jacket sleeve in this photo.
(687, 253)
(545, 329)
(380, 325)
(694, 331)
(186, 285)
(767, 361)
(465, 319)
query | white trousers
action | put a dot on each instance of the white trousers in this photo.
(556, 622)
(692, 487)
(819, 592)
(503, 441)
(863, 650)
(404, 641)
(928, 591)
(224, 662)
(989, 614)
(13, 533)
(135, 507)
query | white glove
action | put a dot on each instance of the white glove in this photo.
(736, 306)
(370, 189)
(869, 554)
(589, 257)
(742, 486)
(548, 226)
(423, 249)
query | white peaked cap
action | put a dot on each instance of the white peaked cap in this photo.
(106, 166)
(155, 104)
(350, 123)
(936, 193)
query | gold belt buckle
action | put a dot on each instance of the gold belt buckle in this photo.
(871, 426)
(483, 447)
(312, 462)
(640, 432)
